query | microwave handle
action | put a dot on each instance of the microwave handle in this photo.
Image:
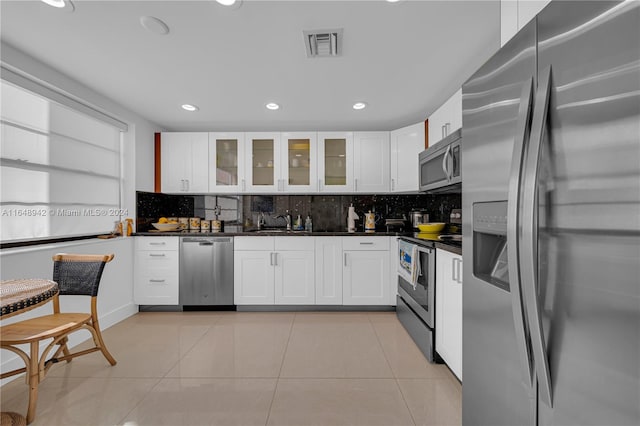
(445, 163)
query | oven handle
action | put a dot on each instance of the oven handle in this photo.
(513, 226)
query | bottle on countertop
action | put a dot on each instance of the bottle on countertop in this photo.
(297, 225)
(308, 225)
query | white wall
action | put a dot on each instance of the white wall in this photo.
(115, 296)
(115, 299)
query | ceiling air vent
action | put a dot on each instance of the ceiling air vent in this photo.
(323, 43)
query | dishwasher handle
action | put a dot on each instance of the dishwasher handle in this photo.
(205, 241)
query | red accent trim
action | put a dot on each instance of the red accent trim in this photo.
(426, 133)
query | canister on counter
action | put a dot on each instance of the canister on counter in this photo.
(194, 224)
(205, 225)
(216, 226)
(184, 223)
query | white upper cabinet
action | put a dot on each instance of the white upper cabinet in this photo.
(406, 144)
(263, 161)
(515, 14)
(184, 160)
(335, 162)
(299, 162)
(446, 119)
(226, 162)
(371, 162)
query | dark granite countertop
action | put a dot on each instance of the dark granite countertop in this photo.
(272, 233)
(450, 246)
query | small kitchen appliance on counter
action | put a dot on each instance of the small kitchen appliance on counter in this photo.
(351, 219)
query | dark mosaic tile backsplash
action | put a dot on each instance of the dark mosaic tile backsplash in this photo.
(328, 212)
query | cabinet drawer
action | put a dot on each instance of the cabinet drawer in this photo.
(294, 243)
(253, 243)
(157, 262)
(365, 243)
(156, 243)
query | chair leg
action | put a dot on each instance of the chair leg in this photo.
(103, 347)
(34, 380)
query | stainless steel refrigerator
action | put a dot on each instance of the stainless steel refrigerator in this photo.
(551, 200)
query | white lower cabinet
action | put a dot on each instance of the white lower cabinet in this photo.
(365, 276)
(274, 270)
(156, 271)
(449, 309)
(294, 279)
(328, 270)
(253, 277)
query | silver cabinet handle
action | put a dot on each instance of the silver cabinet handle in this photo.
(355, 181)
(157, 281)
(393, 184)
(244, 187)
(158, 244)
(157, 255)
(345, 259)
(319, 184)
(453, 269)
(447, 129)
(529, 247)
(366, 243)
(513, 227)
(442, 132)
(187, 180)
(275, 259)
(271, 259)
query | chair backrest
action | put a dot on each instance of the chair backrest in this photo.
(79, 274)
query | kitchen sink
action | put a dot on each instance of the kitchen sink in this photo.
(277, 231)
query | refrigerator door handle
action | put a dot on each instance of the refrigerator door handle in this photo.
(529, 247)
(513, 226)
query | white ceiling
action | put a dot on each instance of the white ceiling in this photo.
(402, 59)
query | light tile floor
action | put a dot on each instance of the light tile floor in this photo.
(232, 368)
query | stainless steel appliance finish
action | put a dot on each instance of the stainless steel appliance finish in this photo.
(416, 304)
(440, 165)
(417, 217)
(206, 271)
(551, 204)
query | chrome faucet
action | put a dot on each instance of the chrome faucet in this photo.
(287, 218)
(261, 220)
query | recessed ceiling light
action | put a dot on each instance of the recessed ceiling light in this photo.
(154, 25)
(61, 4)
(189, 107)
(226, 2)
(272, 106)
(359, 105)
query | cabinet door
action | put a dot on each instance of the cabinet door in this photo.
(508, 20)
(156, 278)
(263, 162)
(371, 171)
(184, 162)
(335, 162)
(406, 144)
(449, 309)
(437, 122)
(365, 278)
(328, 270)
(253, 278)
(294, 278)
(226, 162)
(455, 112)
(299, 162)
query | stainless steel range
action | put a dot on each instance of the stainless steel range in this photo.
(416, 293)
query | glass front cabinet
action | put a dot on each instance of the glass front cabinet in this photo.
(335, 164)
(263, 163)
(299, 162)
(226, 166)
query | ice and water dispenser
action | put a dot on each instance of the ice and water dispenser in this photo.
(490, 261)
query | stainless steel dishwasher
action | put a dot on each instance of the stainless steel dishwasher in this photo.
(206, 271)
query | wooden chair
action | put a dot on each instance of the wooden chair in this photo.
(76, 274)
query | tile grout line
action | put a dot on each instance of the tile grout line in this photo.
(395, 377)
(284, 355)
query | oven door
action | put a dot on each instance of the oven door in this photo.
(421, 296)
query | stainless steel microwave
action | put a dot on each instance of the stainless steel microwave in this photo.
(440, 165)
